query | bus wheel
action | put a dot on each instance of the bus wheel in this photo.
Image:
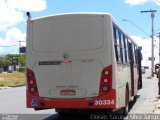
(126, 108)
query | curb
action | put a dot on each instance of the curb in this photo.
(17, 86)
(2, 88)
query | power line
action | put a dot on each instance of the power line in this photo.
(136, 26)
(9, 46)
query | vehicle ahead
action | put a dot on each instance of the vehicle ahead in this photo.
(80, 61)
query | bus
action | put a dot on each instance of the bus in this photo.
(78, 61)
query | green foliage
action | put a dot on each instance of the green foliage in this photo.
(4, 62)
(22, 60)
(12, 58)
(21, 70)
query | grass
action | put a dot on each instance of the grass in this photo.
(12, 79)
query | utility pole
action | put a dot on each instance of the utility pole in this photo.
(152, 43)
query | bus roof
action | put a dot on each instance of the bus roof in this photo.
(86, 13)
(74, 13)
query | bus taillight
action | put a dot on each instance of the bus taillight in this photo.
(31, 82)
(106, 80)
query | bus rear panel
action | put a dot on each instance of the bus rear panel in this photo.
(70, 62)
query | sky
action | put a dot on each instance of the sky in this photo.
(138, 25)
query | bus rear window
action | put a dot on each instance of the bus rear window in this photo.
(72, 34)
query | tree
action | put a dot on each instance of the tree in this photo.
(22, 60)
(12, 58)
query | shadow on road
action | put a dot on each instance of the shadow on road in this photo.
(96, 116)
(133, 102)
(92, 115)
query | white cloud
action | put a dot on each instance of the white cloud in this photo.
(12, 37)
(9, 16)
(12, 11)
(27, 5)
(146, 49)
(136, 2)
(157, 2)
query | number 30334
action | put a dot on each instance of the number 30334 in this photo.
(104, 102)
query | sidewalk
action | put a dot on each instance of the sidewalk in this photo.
(156, 109)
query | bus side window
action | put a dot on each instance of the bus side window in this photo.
(125, 48)
(121, 46)
(115, 43)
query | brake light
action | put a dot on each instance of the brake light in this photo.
(106, 80)
(31, 82)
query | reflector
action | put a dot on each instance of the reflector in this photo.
(105, 88)
(32, 89)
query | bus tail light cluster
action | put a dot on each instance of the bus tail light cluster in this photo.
(31, 82)
(106, 80)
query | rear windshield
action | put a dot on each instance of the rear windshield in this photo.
(74, 33)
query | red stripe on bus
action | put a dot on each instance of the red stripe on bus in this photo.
(77, 103)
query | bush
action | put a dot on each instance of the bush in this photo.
(21, 69)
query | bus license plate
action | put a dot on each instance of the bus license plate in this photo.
(68, 92)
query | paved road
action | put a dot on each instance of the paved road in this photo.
(12, 101)
(13, 104)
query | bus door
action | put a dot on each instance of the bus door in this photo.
(130, 50)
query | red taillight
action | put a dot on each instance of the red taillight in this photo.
(106, 80)
(31, 82)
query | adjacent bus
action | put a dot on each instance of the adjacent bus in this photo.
(80, 61)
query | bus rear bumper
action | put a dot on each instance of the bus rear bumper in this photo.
(106, 101)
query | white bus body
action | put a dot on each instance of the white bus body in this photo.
(71, 63)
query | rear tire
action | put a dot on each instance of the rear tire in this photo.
(126, 108)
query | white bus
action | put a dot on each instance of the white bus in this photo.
(80, 61)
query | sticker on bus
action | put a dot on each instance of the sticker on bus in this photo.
(104, 102)
(33, 102)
